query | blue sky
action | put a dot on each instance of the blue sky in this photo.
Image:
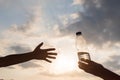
(16, 12)
(26, 23)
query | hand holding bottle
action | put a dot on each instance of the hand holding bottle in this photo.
(97, 70)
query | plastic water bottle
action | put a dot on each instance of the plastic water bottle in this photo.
(82, 48)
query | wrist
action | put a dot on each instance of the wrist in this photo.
(103, 73)
(30, 55)
(100, 71)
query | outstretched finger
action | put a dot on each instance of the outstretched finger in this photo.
(51, 57)
(52, 53)
(50, 49)
(89, 61)
(48, 60)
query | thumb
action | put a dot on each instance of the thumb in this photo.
(39, 45)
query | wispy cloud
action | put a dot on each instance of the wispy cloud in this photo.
(114, 60)
(29, 65)
(78, 2)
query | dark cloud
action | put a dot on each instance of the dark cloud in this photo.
(20, 48)
(29, 65)
(99, 22)
(113, 63)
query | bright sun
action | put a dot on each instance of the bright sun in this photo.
(64, 63)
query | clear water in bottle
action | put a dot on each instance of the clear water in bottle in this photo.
(81, 46)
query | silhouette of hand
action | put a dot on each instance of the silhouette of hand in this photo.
(43, 54)
(91, 67)
(97, 70)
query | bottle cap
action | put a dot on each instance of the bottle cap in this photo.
(78, 33)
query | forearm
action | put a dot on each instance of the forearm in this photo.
(15, 59)
(108, 75)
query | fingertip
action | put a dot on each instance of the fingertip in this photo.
(41, 43)
(56, 54)
(50, 61)
(54, 49)
(50, 49)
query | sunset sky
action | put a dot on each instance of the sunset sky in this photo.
(26, 23)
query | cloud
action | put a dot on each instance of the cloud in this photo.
(30, 28)
(75, 15)
(34, 16)
(29, 65)
(98, 24)
(6, 3)
(78, 2)
(19, 48)
(70, 74)
(10, 67)
(114, 60)
(68, 18)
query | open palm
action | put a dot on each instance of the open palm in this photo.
(44, 54)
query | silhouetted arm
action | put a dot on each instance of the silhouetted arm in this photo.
(15, 59)
(98, 70)
(109, 75)
(39, 54)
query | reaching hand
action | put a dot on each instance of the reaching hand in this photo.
(43, 54)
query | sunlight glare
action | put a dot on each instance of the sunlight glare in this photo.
(64, 63)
